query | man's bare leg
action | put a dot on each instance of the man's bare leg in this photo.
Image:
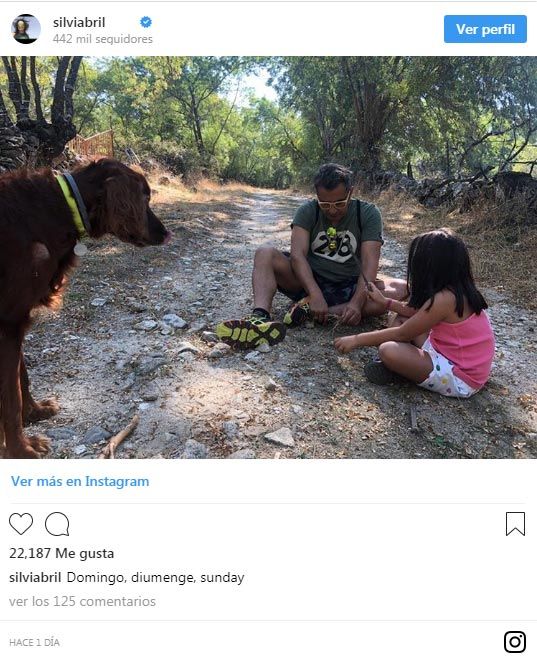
(271, 269)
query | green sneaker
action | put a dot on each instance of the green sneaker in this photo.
(250, 332)
(298, 313)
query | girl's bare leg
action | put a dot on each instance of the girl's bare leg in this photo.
(407, 360)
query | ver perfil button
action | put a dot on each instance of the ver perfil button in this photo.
(485, 29)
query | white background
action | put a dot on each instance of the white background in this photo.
(269, 28)
(344, 560)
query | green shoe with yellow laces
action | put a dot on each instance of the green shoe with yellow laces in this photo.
(298, 313)
(250, 332)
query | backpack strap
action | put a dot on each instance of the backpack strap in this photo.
(359, 216)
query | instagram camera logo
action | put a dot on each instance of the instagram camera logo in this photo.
(514, 642)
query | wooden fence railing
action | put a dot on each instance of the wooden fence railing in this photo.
(101, 144)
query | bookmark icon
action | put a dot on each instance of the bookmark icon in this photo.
(515, 523)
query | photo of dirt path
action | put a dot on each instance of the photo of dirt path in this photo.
(135, 337)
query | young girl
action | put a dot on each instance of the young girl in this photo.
(441, 339)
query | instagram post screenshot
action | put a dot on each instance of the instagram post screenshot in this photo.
(268, 331)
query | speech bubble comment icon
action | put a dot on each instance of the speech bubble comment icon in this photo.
(57, 524)
(21, 522)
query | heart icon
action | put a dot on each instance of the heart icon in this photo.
(21, 522)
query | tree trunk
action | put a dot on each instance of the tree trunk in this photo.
(33, 141)
(14, 152)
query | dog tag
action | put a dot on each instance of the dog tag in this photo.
(80, 249)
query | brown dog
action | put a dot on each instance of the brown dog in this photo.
(42, 219)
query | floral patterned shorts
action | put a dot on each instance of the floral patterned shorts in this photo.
(442, 380)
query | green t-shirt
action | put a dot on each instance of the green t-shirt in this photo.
(342, 263)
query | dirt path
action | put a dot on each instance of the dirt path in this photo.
(108, 354)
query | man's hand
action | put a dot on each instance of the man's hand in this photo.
(319, 308)
(352, 314)
(346, 344)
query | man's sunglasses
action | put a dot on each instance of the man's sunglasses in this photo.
(338, 205)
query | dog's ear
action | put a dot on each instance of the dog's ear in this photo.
(125, 207)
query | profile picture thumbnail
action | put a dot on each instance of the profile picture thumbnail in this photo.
(25, 29)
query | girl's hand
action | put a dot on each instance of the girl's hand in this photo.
(346, 344)
(374, 294)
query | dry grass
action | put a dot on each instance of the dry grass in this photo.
(167, 189)
(504, 253)
(206, 207)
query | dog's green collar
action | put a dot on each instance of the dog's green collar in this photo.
(71, 201)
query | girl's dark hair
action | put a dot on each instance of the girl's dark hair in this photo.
(437, 261)
(330, 175)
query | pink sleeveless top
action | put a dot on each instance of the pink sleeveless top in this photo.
(469, 345)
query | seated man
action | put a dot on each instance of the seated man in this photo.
(335, 251)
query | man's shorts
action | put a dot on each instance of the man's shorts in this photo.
(333, 293)
(442, 380)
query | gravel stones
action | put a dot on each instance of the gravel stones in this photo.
(194, 450)
(243, 454)
(252, 356)
(282, 437)
(150, 393)
(165, 330)
(149, 365)
(174, 321)
(198, 326)
(187, 347)
(95, 434)
(264, 348)
(146, 325)
(230, 429)
(219, 350)
(62, 434)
